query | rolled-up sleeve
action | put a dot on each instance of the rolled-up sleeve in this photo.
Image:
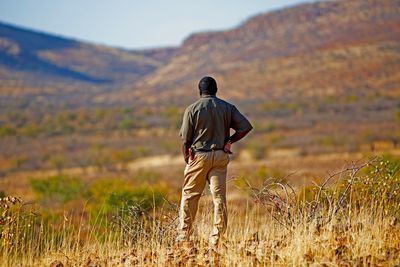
(239, 122)
(186, 131)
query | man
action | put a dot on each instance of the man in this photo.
(206, 146)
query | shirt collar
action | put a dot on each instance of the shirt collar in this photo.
(208, 96)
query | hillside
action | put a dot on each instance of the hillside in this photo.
(310, 50)
(36, 64)
(306, 51)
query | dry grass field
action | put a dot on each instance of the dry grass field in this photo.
(348, 217)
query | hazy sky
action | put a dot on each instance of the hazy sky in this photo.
(133, 23)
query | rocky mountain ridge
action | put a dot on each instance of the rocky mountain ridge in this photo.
(311, 50)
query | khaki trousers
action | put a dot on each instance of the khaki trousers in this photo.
(206, 166)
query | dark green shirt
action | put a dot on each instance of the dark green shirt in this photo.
(207, 122)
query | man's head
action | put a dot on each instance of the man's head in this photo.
(208, 86)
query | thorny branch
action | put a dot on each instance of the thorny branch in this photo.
(279, 195)
(137, 221)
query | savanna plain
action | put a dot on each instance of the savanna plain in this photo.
(90, 163)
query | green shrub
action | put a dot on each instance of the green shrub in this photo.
(256, 177)
(122, 157)
(282, 107)
(330, 99)
(297, 107)
(375, 185)
(7, 130)
(142, 151)
(265, 127)
(31, 130)
(381, 184)
(111, 196)
(328, 141)
(18, 161)
(351, 98)
(307, 193)
(174, 116)
(138, 196)
(126, 123)
(270, 106)
(57, 162)
(99, 157)
(258, 149)
(58, 188)
(398, 115)
(147, 177)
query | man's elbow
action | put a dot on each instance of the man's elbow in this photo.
(245, 132)
(242, 134)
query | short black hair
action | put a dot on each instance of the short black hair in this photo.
(208, 86)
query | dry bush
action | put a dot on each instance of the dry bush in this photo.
(8, 219)
(372, 186)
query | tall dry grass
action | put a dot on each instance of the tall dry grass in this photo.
(348, 219)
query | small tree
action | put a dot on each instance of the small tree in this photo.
(122, 157)
(173, 116)
(98, 157)
(57, 162)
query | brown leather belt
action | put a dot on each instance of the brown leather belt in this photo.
(207, 150)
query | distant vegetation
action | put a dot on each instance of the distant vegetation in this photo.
(54, 122)
(312, 127)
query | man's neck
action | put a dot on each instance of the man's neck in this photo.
(206, 95)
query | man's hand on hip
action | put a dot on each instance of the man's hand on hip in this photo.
(186, 152)
(227, 147)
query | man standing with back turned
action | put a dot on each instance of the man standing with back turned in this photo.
(206, 147)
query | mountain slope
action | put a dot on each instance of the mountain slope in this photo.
(26, 55)
(61, 70)
(309, 50)
(314, 50)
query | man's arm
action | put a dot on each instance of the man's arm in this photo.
(186, 151)
(241, 126)
(238, 135)
(186, 134)
(234, 138)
